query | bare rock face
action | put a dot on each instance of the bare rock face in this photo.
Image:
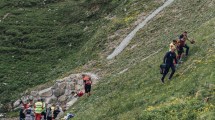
(62, 98)
(58, 92)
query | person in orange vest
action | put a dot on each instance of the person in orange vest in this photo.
(38, 108)
(87, 84)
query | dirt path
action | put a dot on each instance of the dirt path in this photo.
(130, 36)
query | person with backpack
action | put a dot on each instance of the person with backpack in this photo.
(182, 39)
(169, 63)
(87, 84)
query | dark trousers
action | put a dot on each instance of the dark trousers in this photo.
(87, 88)
(187, 48)
(44, 114)
(167, 70)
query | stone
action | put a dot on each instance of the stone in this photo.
(62, 85)
(16, 103)
(47, 93)
(55, 86)
(59, 81)
(62, 98)
(52, 100)
(34, 93)
(58, 92)
(70, 103)
(68, 92)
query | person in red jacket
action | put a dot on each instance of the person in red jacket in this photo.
(87, 84)
(182, 38)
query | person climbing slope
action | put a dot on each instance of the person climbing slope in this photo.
(169, 62)
(87, 84)
(182, 38)
(173, 44)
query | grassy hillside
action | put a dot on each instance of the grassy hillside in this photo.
(41, 41)
(138, 92)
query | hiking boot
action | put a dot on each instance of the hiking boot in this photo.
(162, 80)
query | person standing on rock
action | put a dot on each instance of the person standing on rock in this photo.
(38, 108)
(169, 62)
(87, 84)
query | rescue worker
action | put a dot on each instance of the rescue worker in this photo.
(38, 108)
(169, 61)
(182, 38)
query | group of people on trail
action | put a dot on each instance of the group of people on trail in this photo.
(38, 110)
(171, 59)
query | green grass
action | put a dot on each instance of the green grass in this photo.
(42, 42)
(51, 42)
(138, 93)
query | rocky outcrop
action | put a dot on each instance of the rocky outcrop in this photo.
(63, 91)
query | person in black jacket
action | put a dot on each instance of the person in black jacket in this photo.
(169, 61)
(22, 113)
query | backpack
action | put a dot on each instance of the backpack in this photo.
(162, 68)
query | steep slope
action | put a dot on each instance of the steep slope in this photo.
(41, 41)
(138, 94)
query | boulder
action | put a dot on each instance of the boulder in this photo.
(16, 103)
(58, 92)
(51, 100)
(55, 86)
(62, 85)
(46, 93)
(34, 93)
(62, 98)
(68, 91)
